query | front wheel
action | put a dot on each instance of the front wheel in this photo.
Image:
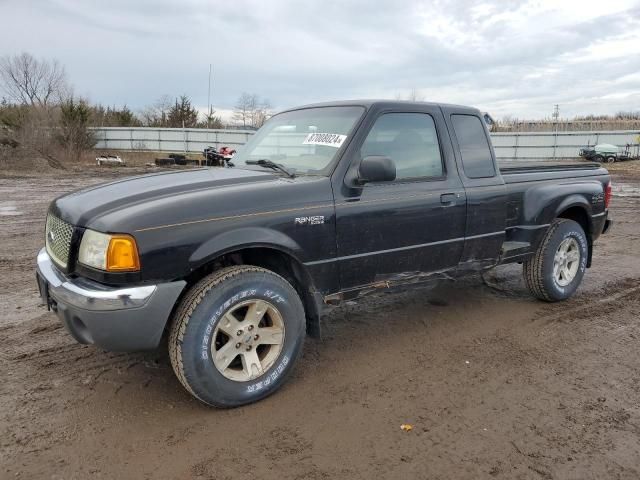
(556, 269)
(611, 159)
(236, 336)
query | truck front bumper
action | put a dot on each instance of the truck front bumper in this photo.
(116, 319)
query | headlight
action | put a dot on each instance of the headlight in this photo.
(112, 253)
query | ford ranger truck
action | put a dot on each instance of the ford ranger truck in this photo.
(232, 267)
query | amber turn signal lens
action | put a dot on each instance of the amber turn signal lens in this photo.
(122, 254)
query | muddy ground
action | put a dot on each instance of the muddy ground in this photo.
(495, 384)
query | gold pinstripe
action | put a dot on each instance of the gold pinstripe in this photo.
(231, 217)
(287, 210)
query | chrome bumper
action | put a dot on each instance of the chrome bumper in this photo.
(116, 319)
(90, 295)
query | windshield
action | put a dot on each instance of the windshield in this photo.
(304, 141)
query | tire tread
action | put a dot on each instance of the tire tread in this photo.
(532, 269)
(186, 308)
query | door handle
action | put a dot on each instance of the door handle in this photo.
(448, 199)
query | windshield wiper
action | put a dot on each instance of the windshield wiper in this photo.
(263, 162)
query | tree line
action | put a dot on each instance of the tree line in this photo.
(28, 81)
(40, 113)
(623, 120)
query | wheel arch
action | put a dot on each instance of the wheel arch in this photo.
(264, 248)
(579, 213)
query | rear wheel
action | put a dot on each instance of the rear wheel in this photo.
(236, 336)
(611, 159)
(556, 269)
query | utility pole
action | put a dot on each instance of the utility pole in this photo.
(209, 99)
(556, 117)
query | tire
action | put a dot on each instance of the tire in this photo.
(198, 339)
(539, 271)
(599, 158)
(611, 159)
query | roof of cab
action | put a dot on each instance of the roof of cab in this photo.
(368, 103)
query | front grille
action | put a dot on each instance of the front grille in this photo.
(58, 240)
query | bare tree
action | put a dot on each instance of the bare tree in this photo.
(251, 111)
(29, 81)
(163, 105)
(31, 132)
(35, 89)
(261, 113)
(156, 115)
(242, 111)
(148, 116)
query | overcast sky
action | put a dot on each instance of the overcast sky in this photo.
(514, 58)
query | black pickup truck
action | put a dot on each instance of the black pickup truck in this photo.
(325, 203)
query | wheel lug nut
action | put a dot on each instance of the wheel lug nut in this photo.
(250, 327)
(248, 348)
(237, 345)
(239, 332)
(256, 337)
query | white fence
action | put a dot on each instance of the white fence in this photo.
(168, 139)
(508, 146)
(550, 145)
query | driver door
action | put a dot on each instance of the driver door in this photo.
(413, 225)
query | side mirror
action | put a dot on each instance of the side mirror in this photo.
(376, 168)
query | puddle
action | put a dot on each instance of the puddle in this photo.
(625, 190)
(9, 210)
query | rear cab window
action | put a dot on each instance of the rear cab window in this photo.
(475, 151)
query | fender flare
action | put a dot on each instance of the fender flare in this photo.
(260, 237)
(241, 238)
(576, 201)
(543, 203)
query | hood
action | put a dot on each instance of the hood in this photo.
(83, 207)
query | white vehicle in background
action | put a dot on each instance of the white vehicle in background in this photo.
(110, 160)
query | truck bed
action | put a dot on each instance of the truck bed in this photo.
(515, 172)
(542, 178)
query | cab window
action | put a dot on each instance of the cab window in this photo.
(474, 146)
(410, 140)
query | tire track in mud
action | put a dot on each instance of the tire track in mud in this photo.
(46, 352)
(69, 361)
(627, 292)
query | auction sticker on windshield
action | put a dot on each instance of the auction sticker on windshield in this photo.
(326, 139)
